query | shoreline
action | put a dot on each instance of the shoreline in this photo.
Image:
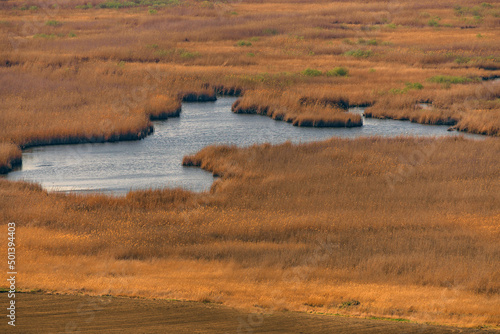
(232, 197)
(201, 97)
(16, 162)
(186, 97)
(11, 165)
(336, 120)
(454, 124)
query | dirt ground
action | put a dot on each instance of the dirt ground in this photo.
(43, 313)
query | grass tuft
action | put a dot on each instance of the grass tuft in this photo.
(359, 53)
(338, 72)
(310, 72)
(53, 23)
(448, 79)
(244, 43)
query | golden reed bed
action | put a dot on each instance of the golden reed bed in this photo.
(403, 228)
(388, 227)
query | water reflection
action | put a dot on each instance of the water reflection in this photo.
(155, 162)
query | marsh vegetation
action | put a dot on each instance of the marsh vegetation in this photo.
(405, 227)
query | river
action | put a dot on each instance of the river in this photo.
(155, 162)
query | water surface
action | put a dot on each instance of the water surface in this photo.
(155, 162)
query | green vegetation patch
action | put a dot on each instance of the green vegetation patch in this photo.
(244, 43)
(46, 36)
(338, 72)
(310, 72)
(367, 41)
(462, 59)
(53, 23)
(32, 8)
(434, 22)
(283, 79)
(474, 11)
(409, 86)
(390, 319)
(87, 6)
(173, 53)
(359, 53)
(448, 79)
(270, 32)
(349, 303)
(117, 4)
(137, 3)
(188, 55)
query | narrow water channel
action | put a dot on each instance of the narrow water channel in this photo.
(155, 162)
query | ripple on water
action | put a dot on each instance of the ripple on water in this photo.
(155, 162)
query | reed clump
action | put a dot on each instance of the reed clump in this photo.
(337, 120)
(198, 96)
(472, 108)
(161, 107)
(10, 156)
(300, 111)
(485, 122)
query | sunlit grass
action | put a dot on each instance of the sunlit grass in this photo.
(397, 225)
(407, 228)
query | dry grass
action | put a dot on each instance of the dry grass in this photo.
(163, 107)
(382, 46)
(481, 121)
(10, 155)
(300, 111)
(407, 227)
(472, 107)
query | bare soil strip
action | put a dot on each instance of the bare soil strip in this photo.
(42, 313)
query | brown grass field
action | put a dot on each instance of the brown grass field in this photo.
(408, 228)
(401, 228)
